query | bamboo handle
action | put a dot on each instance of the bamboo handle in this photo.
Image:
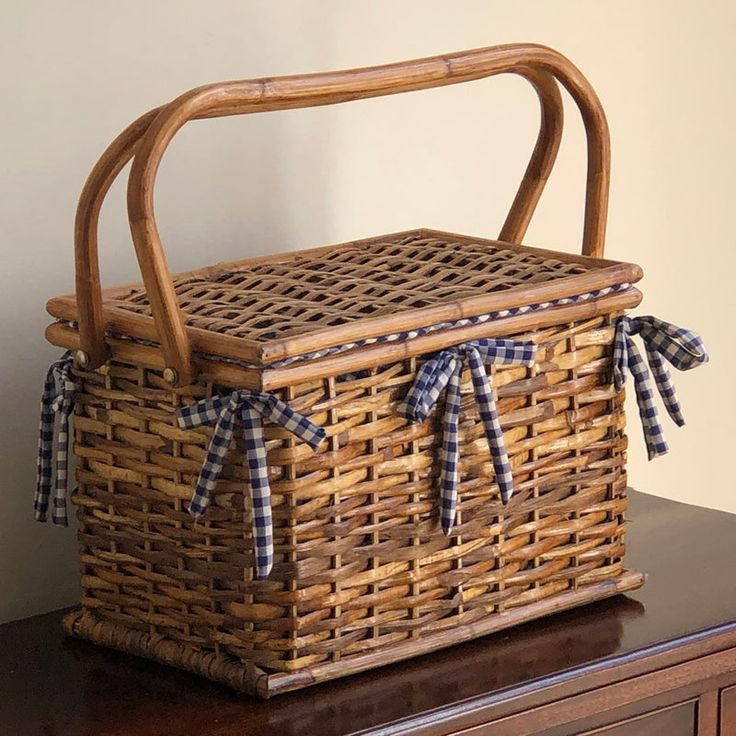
(231, 98)
(93, 350)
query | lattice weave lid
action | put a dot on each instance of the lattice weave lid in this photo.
(291, 303)
(267, 301)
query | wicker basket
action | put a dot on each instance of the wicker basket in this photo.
(410, 527)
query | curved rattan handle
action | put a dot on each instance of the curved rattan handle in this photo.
(305, 91)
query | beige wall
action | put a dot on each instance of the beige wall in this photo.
(74, 73)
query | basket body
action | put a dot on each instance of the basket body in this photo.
(363, 573)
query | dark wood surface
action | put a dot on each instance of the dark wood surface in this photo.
(54, 686)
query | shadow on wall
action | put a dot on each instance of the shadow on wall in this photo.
(225, 191)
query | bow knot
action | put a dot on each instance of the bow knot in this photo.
(444, 371)
(57, 400)
(663, 343)
(249, 409)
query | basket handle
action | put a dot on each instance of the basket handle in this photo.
(156, 129)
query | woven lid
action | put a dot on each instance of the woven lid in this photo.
(282, 306)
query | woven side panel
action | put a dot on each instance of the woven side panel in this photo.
(361, 562)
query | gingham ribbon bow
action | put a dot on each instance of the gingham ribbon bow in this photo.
(57, 400)
(249, 408)
(444, 370)
(663, 342)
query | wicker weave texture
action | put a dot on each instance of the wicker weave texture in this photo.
(278, 299)
(361, 562)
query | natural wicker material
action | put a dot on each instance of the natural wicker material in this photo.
(297, 294)
(363, 574)
(262, 310)
(362, 564)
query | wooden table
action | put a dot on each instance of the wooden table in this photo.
(660, 661)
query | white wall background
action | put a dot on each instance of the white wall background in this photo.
(73, 74)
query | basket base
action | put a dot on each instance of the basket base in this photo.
(255, 681)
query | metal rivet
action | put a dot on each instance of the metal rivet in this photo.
(81, 358)
(171, 376)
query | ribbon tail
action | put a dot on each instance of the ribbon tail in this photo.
(58, 398)
(663, 381)
(653, 434)
(260, 490)
(450, 454)
(269, 407)
(212, 466)
(486, 401)
(44, 470)
(620, 351)
(59, 511)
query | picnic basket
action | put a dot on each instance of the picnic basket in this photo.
(297, 467)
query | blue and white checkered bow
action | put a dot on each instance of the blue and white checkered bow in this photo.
(444, 370)
(57, 400)
(250, 408)
(663, 342)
